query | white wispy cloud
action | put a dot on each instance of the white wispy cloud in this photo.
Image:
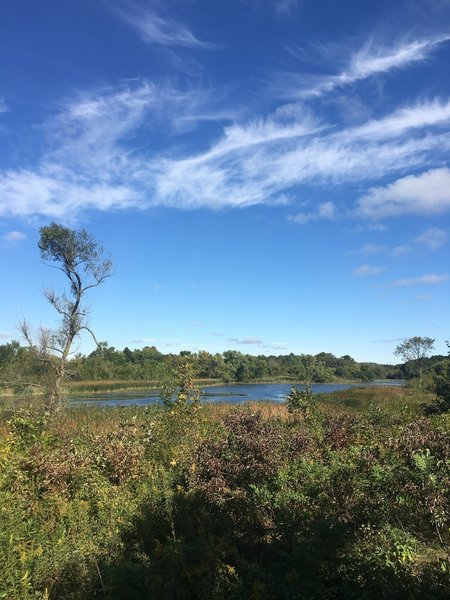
(430, 279)
(100, 157)
(370, 249)
(246, 341)
(424, 194)
(255, 341)
(283, 7)
(3, 106)
(155, 28)
(326, 210)
(368, 270)
(424, 297)
(374, 58)
(143, 341)
(14, 236)
(432, 113)
(93, 160)
(25, 193)
(250, 341)
(251, 164)
(433, 238)
(400, 251)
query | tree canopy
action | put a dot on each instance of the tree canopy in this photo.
(415, 349)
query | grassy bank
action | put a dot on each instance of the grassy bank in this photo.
(226, 502)
(117, 385)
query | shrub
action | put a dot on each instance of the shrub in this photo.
(300, 401)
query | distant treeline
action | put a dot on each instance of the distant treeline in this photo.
(18, 365)
(231, 366)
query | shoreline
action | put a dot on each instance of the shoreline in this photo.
(120, 386)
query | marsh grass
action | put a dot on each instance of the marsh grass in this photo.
(391, 399)
(116, 385)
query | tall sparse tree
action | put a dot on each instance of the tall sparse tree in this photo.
(80, 257)
(415, 349)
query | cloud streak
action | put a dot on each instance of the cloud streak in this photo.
(14, 236)
(251, 165)
(100, 156)
(368, 270)
(284, 7)
(248, 341)
(431, 279)
(373, 59)
(433, 238)
(326, 210)
(154, 28)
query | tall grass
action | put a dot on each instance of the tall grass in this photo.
(116, 385)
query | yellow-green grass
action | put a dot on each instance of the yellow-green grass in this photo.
(119, 385)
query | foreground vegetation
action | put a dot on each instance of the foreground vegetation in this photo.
(347, 499)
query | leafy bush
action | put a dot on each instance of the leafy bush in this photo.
(300, 401)
(442, 390)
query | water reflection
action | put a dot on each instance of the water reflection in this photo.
(232, 394)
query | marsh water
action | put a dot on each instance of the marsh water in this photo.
(233, 394)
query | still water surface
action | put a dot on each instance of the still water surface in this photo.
(232, 394)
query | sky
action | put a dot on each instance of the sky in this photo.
(269, 176)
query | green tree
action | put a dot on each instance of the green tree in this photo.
(442, 388)
(81, 259)
(415, 349)
(19, 369)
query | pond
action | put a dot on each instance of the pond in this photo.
(232, 394)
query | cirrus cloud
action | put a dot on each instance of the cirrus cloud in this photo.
(94, 161)
(430, 279)
(14, 236)
(433, 238)
(374, 58)
(368, 270)
(326, 210)
(154, 28)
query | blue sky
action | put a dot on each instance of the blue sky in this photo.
(269, 176)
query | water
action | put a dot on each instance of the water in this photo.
(231, 394)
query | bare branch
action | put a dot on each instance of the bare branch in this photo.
(58, 302)
(54, 349)
(24, 328)
(92, 334)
